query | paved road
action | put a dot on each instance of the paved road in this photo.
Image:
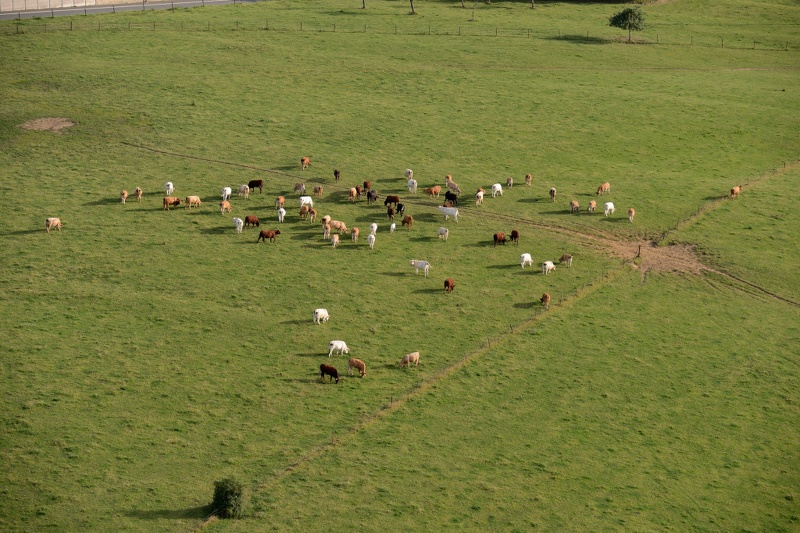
(92, 10)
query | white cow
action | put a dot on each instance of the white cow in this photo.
(547, 266)
(392, 227)
(418, 265)
(239, 224)
(244, 190)
(479, 197)
(281, 214)
(449, 211)
(337, 346)
(226, 193)
(371, 241)
(525, 259)
(412, 186)
(497, 190)
(609, 208)
(373, 228)
(409, 173)
(321, 315)
(444, 233)
(306, 200)
(169, 188)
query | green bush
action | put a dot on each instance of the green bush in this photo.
(229, 499)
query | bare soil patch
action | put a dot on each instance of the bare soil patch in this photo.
(55, 124)
(672, 258)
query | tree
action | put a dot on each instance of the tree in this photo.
(630, 19)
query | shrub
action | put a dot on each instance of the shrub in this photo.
(229, 499)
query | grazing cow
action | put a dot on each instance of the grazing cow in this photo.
(735, 191)
(566, 258)
(354, 234)
(225, 206)
(451, 197)
(238, 223)
(631, 214)
(279, 202)
(299, 188)
(326, 231)
(574, 206)
(509, 182)
(515, 237)
(336, 174)
(547, 267)
(391, 199)
(353, 194)
(281, 214)
(453, 186)
(525, 259)
(358, 364)
(372, 196)
(418, 265)
(193, 201)
(604, 188)
(170, 201)
(359, 191)
(392, 227)
(334, 240)
(479, 197)
(321, 315)
(500, 238)
(371, 241)
(448, 211)
(444, 233)
(169, 187)
(497, 190)
(528, 180)
(52, 222)
(251, 220)
(449, 285)
(318, 191)
(411, 185)
(339, 226)
(312, 214)
(271, 234)
(545, 299)
(390, 213)
(304, 162)
(409, 358)
(326, 219)
(552, 194)
(256, 183)
(306, 200)
(434, 191)
(137, 193)
(226, 193)
(592, 206)
(609, 208)
(327, 370)
(409, 174)
(244, 190)
(367, 185)
(401, 208)
(337, 346)
(123, 195)
(373, 228)
(303, 211)
(408, 220)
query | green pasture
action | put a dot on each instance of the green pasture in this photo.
(149, 353)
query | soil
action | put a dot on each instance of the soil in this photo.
(54, 124)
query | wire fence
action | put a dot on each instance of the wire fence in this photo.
(46, 22)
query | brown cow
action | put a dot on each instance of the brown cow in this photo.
(352, 194)
(256, 183)
(359, 191)
(735, 191)
(358, 364)
(604, 188)
(327, 370)
(367, 185)
(192, 201)
(312, 214)
(528, 180)
(631, 214)
(390, 213)
(304, 162)
(391, 199)
(318, 191)
(304, 209)
(408, 220)
(251, 220)
(566, 258)
(123, 195)
(515, 237)
(449, 285)
(499, 237)
(574, 206)
(354, 234)
(52, 222)
(270, 234)
(279, 201)
(225, 205)
(545, 299)
(592, 206)
(170, 201)
(433, 191)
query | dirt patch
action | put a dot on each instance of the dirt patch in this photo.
(672, 258)
(55, 124)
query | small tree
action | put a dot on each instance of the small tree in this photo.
(630, 19)
(228, 498)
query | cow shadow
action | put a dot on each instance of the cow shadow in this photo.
(218, 230)
(108, 201)
(428, 291)
(196, 513)
(430, 217)
(295, 322)
(536, 200)
(503, 267)
(24, 232)
(616, 220)
(308, 354)
(395, 274)
(525, 305)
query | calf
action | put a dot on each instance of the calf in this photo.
(305, 162)
(279, 201)
(528, 180)
(631, 214)
(449, 285)
(367, 185)
(256, 183)
(238, 223)
(354, 234)
(352, 194)
(574, 207)
(547, 267)
(225, 206)
(418, 265)
(499, 238)
(337, 346)
(192, 201)
(123, 195)
(303, 212)
(411, 185)
(336, 174)
(52, 222)
(334, 240)
(391, 199)
(609, 208)
(169, 188)
(327, 370)
(497, 190)
(281, 214)
(444, 233)
(592, 206)
(735, 191)
(372, 196)
(552, 194)
(525, 259)
(226, 193)
(270, 234)
(373, 228)
(409, 358)
(326, 231)
(509, 182)
(604, 188)
(408, 220)
(479, 197)
(451, 197)
(434, 191)
(137, 193)
(318, 191)
(244, 190)
(251, 220)
(312, 215)
(171, 201)
(392, 227)
(409, 174)
(358, 364)
(321, 315)
(515, 237)
(545, 300)
(339, 226)
(371, 241)
(566, 258)
(390, 212)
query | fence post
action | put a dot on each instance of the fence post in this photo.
(301, 25)
(723, 42)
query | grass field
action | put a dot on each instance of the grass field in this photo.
(150, 353)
